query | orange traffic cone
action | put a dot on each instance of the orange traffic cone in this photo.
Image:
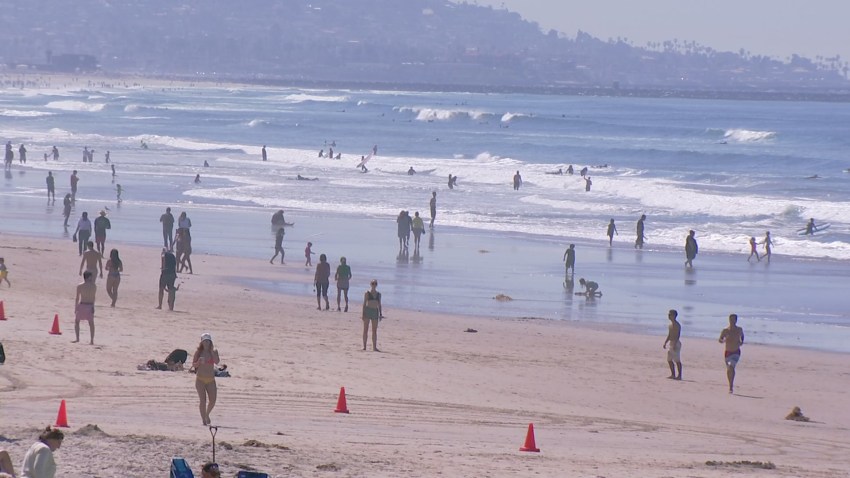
(2, 311)
(55, 329)
(62, 418)
(341, 406)
(529, 440)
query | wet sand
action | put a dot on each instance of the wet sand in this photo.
(436, 400)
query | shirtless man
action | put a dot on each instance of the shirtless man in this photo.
(433, 206)
(674, 333)
(84, 303)
(570, 259)
(92, 260)
(733, 337)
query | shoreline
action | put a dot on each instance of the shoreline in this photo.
(436, 400)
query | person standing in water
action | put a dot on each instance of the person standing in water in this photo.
(51, 186)
(204, 362)
(674, 353)
(691, 248)
(66, 211)
(639, 230)
(265, 157)
(433, 206)
(587, 184)
(167, 221)
(418, 228)
(733, 338)
(810, 227)
(570, 260)
(517, 181)
(612, 229)
(74, 181)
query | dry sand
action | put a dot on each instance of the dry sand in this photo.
(437, 401)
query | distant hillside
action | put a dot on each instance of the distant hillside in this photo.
(424, 42)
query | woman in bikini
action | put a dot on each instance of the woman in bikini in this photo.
(114, 268)
(371, 314)
(204, 361)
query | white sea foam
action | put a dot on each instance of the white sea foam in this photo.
(441, 114)
(508, 117)
(24, 114)
(72, 105)
(748, 136)
(302, 97)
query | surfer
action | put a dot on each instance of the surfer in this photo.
(590, 287)
(338, 156)
(302, 178)
(321, 153)
(570, 170)
(810, 227)
(197, 179)
(559, 172)
(143, 144)
(587, 183)
(612, 229)
(265, 158)
(362, 164)
(375, 150)
(691, 248)
(451, 181)
(517, 181)
(206, 163)
(639, 229)
(411, 171)
(753, 250)
(583, 171)
(106, 157)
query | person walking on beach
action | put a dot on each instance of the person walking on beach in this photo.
(372, 313)
(101, 224)
(570, 260)
(118, 191)
(66, 211)
(183, 251)
(433, 206)
(342, 278)
(418, 228)
(322, 280)
(84, 305)
(167, 221)
(83, 231)
(674, 353)
(768, 246)
(733, 337)
(51, 186)
(4, 274)
(265, 158)
(517, 181)
(308, 251)
(167, 277)
(278, 245)
(691, 248)
(403, 226)
(114, 268)
(639, 230)
(753, 250)
(92, 260)
(204, 362)
(38, 461)
(74, 181)
(612, 229)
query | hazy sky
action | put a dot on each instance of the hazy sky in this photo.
(770, 27)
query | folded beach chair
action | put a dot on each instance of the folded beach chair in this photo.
(180, 469)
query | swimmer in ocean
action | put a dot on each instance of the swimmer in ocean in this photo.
(411, 171)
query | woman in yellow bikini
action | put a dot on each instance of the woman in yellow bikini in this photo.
(204, 361)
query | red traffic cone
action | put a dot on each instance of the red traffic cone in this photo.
(62, 418)
(341, 406)
(529, 440)
(55, 329)
(2, 311)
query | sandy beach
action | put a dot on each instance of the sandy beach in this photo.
(436, 400)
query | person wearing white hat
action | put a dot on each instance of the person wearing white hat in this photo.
(203, 363)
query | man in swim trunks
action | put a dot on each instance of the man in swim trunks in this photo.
(433, 205)
(570, 259)
(84, 305)
(674, 333)
(51, 186)
(733, 337)
(92, 260)
(167, 278)
(167, 221)
(101, 224)
(639, 230)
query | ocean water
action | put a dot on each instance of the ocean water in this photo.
(726, 169)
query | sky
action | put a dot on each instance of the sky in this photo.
(777, 28)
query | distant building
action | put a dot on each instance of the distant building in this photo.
(70, 63)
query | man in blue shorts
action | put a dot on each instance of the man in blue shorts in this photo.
(733, 337)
